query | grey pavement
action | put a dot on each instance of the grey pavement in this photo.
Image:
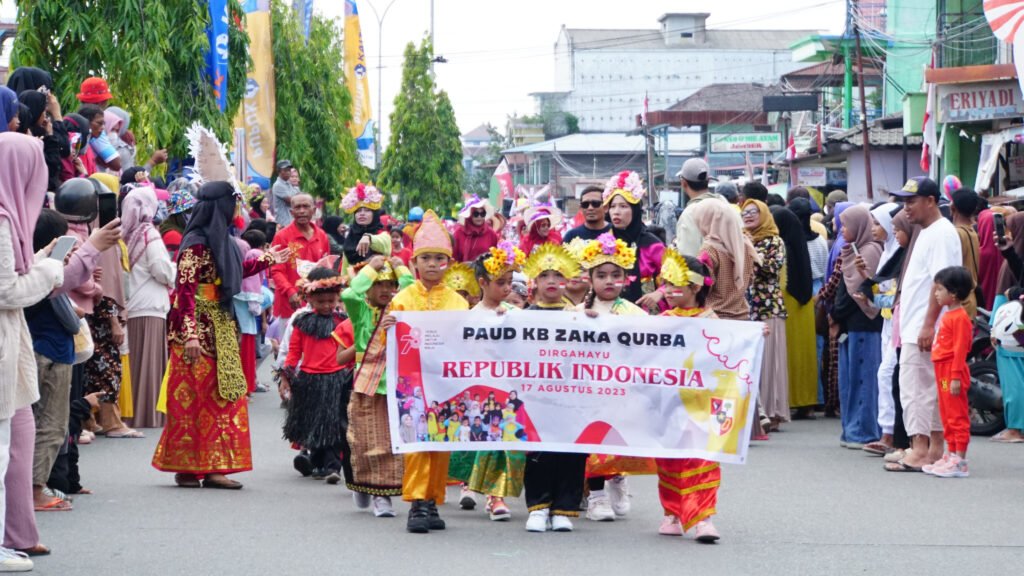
(802, 505)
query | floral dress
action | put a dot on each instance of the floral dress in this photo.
(765, 291)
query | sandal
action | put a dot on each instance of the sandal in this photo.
(226, 484)
(125, 433)
(56, 493)
(877, 448)
(55, 504)
(37, 550)
(901, 466)
(186, 480)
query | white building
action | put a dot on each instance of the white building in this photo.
(601, 75)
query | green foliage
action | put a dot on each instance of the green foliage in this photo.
(423, 160)
(151, 54)
(314, 107)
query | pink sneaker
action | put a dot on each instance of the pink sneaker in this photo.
(706, 533)
(930, 468)
(670, 526)
(955, 468)
(497, 510)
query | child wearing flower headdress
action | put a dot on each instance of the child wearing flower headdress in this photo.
(607, 261)
(553, 480)
(315, 418)
(688, 487)
(497, 474)
(425, 477)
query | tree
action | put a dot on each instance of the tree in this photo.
(150, 53)
(314, 107)
(423, 161)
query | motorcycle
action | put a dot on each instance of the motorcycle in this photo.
(985, 396)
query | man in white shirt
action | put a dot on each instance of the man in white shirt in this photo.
(282, 191)
(937, 246)
(694, 179)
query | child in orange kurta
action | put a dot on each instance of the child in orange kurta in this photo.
(949, 354)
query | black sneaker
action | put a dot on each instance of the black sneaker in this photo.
(434, 519)
(303, 464)
(319, 474)
(419, 518)
(333, 477)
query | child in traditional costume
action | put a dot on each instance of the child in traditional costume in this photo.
(377, 473)
(553, 481)
(426, 473)
(462, 278)
(688, 487)
(315, 420)
(607, 261)
(497, 474)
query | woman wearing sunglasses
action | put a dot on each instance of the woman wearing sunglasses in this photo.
(474, 235)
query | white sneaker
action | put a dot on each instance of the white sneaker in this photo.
(561, 524)
(361, 499)
(14, 561)
(599, 507)
(467, 500)
(618, 493)
(538, 521)
(382, 507)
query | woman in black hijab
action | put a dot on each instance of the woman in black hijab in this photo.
(29, 78)
(649, 250)
(51, 129)
(360, 227)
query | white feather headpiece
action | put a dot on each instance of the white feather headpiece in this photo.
(211, 157)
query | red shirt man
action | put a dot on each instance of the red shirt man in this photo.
(308, 243)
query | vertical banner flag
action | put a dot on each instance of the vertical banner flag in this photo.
(358, 86)
(304, 10)
(501, 185)
(560, 382)
(217, 56)
(257, 113)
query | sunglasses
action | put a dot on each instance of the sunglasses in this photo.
(751, 213)
(591, 204)
(478, 213)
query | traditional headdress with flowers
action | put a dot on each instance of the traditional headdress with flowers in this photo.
(332, 284)
(676, 272)
(549, 256)
(626, 184)
(362, 196)
(607, 249)
(462, 278)
(505, 257)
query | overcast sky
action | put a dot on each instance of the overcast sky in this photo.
(500, 51)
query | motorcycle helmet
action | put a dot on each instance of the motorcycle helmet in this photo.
(76, 200)
(416, 214)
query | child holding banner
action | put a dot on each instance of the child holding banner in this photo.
(497, 474)
(315, 420)
(376, 471)
(553, 480)
(688, 487)
(426, 473)
(607, 261)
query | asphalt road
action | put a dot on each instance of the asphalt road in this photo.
(802, 505)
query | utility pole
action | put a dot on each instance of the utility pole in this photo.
(380, 70)
(864, 117)
(432, 48)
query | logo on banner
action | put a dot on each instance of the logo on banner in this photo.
(252, 87)
(724, 410)
(360, 71)
(411, 341)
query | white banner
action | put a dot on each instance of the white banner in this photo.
(564, 382)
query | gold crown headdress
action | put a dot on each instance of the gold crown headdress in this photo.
(462, 277)
(607, 249)
(676, 272)
(362, 196)
(551, 257)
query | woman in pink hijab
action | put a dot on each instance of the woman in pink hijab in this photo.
(26, 278)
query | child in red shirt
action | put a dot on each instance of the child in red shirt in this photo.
(315, 417)
(949, 354)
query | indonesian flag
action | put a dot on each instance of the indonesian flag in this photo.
(643, 111)
(501, 185)
(791, 148)
(928, 126)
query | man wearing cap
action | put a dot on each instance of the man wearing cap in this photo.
(694, 178)
(95, 91)
(937, 246)
(283, 191)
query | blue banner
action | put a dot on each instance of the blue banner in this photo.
(217, 57)
(304, 10)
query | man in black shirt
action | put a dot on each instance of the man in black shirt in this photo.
(594, 224)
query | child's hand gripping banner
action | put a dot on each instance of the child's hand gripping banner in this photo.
(563, 382)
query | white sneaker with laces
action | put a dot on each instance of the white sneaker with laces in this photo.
(382, 507)
(618, 493)
(599, 507)
(14, 561)
(361, 499)
(467, 499)
(561, 524)
(538, 521)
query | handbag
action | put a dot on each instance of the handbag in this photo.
(84, 347)
(65, 313)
